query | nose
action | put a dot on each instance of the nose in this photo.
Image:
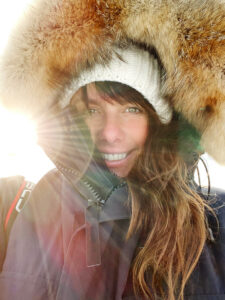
(111, 130)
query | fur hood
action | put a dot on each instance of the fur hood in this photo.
(57, 39)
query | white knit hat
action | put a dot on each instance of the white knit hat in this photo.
(134, 67)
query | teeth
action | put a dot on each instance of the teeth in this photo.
(114, 156)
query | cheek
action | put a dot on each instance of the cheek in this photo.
(145, 134)
(92, 129)
(138, 131)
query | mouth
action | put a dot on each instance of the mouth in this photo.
(113, 156)
(119, 163)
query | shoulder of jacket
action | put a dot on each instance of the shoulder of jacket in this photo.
(54, 176)
(216, 217)
(218, 204)
(51, 188)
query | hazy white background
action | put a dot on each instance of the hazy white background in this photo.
(19, 153)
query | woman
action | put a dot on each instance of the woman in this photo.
(121, 218)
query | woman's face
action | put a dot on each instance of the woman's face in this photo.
(119, 131)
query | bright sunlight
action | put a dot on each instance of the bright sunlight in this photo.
(19, 152)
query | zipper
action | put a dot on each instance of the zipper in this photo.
(98, 200)
(93, 243)
(92, 213)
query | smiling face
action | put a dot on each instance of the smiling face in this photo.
(119, 131)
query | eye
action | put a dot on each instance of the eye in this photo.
(133, 109)
(92, 111)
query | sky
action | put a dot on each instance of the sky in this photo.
(19, 153)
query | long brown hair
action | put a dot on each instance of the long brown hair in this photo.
(169, 214)
(166, 211)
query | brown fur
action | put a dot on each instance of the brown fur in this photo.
(59, 38)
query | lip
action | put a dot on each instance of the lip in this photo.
(114, 156)
(119, 162)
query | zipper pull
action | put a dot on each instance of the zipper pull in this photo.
(93, 249)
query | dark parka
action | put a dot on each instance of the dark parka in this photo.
(55, 251)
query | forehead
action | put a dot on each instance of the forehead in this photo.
(93, 93)
(89, 94)
(102, 94)
(109, 92)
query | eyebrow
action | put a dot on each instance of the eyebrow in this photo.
(91, 101)
(86, 98)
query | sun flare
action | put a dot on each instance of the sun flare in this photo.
(19, 152)
(16, 131)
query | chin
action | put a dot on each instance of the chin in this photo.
(120, 173)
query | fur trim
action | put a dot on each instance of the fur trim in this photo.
(59, 38)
